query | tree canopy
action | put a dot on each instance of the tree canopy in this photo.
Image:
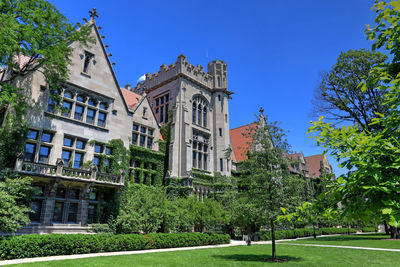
(338, 96)
(372, 157)
(34, 36)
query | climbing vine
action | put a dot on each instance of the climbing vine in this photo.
(148, 166)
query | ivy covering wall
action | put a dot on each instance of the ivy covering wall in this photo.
(148, 164)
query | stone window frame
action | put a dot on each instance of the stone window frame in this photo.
(38, 143)
(147, 135)
(200, 150)
(161, 105)
(200, 114)
(37, 198)
(66, 204)
(99, 105)
(136, 166)
(88, 58)
(104, 150)
(73, 149)
(93, 202)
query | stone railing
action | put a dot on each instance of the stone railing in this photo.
(59, 170)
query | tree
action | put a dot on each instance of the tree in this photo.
(208, 215)
(338, 96)
(372, 184)
(266, 183)
(14, 194)
(34, 37)
(143, 208)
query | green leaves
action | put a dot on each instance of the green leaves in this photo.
(371, 189)
(14, 193)
(387, 211)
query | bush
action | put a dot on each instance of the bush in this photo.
(369, 229)
(28, 246)
(101, 228)
(303, 232)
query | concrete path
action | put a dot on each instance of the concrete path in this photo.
(334, 246)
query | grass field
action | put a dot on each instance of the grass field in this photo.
(254, 255)
(364, 240)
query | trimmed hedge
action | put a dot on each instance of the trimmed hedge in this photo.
(28, 246)
(303, 232)
(369, 229)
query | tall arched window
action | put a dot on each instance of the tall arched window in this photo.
(199, 111)
(205, 116)
(194, 112)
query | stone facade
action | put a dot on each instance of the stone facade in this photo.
(198, 105)
(67, 152)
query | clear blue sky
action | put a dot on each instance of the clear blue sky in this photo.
(275, 50)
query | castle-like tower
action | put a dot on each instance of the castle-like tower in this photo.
(198, 103)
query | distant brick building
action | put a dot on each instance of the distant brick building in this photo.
(312, 166)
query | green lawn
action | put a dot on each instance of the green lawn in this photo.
(363, 240)
(254, 255)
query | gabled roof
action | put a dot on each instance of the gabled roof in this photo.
(92, 23)
(314, 165)
(242, 140)
(131, 98)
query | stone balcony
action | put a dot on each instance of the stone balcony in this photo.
(63, 172)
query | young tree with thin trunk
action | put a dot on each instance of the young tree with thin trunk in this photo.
(266, 183)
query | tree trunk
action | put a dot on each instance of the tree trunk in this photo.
(394, 232)
(315, 235)
(386, 228)
(273, 240)
(248, 241)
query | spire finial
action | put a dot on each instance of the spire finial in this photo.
(261, 110)
(93, 14)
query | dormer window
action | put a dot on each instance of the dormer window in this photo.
(88, 58)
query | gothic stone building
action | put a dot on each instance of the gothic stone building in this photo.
(197, 103)
(67, 152)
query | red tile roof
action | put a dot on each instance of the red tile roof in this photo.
(242, 140)
(130, 97)
(314, 165)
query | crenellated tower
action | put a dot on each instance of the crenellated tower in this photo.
(222, 160)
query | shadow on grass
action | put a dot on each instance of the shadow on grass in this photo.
(255, 258)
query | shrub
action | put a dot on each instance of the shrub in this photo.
(27, 246)
(303, 232)
(101, 228)
(369, 229)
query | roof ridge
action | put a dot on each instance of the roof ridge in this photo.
(242, 126)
